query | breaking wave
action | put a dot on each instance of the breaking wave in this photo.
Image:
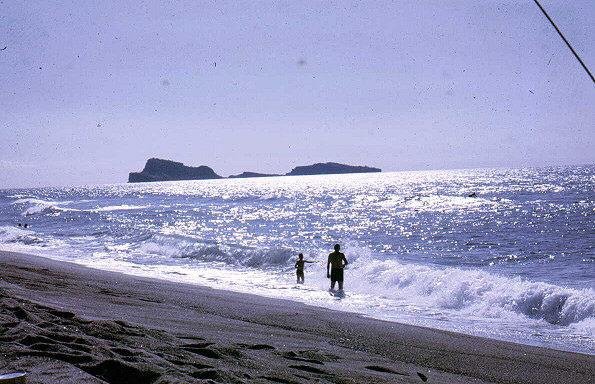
(228, 254)
(502, 253)
(123, 207)
(476, 292)
(467, 292)
(12, 235)
(37, 206)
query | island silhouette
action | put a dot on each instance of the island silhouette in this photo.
(168, 170)
(244, 175)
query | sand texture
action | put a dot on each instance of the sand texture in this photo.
(64, 323)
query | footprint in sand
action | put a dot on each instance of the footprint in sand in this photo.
(276, 380)
(116, 371)
(310, 356)
(123, 352)
(378, 368)
(307, 368)
(202, 350)
(206, 375)
(293, 356)
(258, 347)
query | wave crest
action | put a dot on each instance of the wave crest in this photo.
(16, 235)
(228, 254)
(37, 206)
(468, 292)
(477, 292)
(122, 207)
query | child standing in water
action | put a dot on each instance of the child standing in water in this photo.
(299, 268)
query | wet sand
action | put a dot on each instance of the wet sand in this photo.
(64, 323)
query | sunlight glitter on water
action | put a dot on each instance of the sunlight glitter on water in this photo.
(459, 250)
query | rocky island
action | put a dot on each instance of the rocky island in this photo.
(167, 170)
(329, 169)
(244, 175)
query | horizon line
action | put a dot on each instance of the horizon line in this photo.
(469, 168)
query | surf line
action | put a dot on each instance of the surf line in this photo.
(566, 41)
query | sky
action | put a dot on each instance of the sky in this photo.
(91, 89)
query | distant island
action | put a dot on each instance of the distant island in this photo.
(167, 170)
(329, 169)
(244, 175)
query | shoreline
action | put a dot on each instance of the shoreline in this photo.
(130, 270)
(63, 322)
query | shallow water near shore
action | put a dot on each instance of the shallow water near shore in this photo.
(502, 253)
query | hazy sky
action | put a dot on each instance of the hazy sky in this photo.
(91, 89)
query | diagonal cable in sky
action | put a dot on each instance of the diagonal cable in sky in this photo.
(566, 41)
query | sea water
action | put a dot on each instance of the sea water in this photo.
(500, 253)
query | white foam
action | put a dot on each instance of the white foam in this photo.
(37, 206)
(239, 256)
(232, 233)
(474, 292)
(448, 298)
(585, 327)
(19, 196)
(17, 235)
(122, 207)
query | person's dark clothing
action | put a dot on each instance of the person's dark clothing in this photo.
(337, 275)
(337, 262)
(299, 265)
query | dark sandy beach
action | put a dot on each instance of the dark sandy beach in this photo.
(64, 323)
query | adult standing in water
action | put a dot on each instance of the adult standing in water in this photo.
(336, 263)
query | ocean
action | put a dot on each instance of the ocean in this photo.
(500, 253)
